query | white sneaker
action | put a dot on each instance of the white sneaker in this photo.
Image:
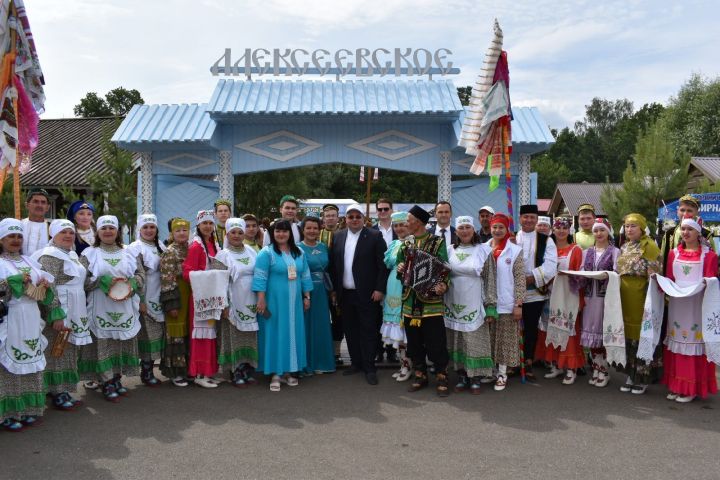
(216, 381)
(396, 374)
(594, 378)
(204, 382)
(672, 396)
(180, 382)
(602, 380)
(685, 398)
(500, 383)
(91, 385)
(554, 372)
(570, 377)
(628, 385)
(639, 389)
(405, 373)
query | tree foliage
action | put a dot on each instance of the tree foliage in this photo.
(655, 173)
(117, 102)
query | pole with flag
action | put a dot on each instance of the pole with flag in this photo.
(23, 98)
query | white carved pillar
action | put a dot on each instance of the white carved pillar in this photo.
(445, 177)
(147, 182)
(524, 179)
(225, 176)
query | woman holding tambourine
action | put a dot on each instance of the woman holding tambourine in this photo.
(117, 279)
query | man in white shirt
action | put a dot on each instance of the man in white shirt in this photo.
(37, 227)
(384, 212)
(360, 279)
(288, 211)
(540, 256)
(443, 228)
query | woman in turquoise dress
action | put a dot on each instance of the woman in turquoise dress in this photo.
(318, 334)
(283, 284)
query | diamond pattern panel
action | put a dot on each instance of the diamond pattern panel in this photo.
(392, 145)
(282, 145)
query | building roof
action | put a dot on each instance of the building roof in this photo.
(543, 204)
(184, 124)
(307, 97)
(68, 149)
(572, 195)
(708, 166)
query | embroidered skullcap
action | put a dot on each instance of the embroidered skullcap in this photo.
(419, 213)
(586, 206)
(9, 226)
(500, 218)
(691, 200)
(108, 221)
(204, 216)
(330, 206)
(487, 208)
(37, 191)
(399, 217)
(77, 206)
(562, 222)
(288, 198)
(690, 221)
(603, 223)
(146, 219)
(59, 225)
(178, 222)
(354, 207)
(544, 220)
(222, 201)
(233, 223)
(525, 209)
(464, 220)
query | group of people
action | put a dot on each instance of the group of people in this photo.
(225, 296)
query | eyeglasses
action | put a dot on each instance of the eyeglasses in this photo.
(383, 209)
(354, 217)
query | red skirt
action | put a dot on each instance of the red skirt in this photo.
(203, 351)
(688, 374)
(573, 357)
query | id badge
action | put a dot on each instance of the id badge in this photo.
(292, 272)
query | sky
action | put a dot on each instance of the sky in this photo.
(561, 53)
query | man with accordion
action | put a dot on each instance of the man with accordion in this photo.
(422, 262)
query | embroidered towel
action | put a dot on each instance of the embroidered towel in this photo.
(564, 306)
(711, 320)
(209, 290)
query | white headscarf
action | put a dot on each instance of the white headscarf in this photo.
(9, 226)
(464, 220)
(108, 221)
(59, 225)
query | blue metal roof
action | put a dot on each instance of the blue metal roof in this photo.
(233, 97)
(182, 124)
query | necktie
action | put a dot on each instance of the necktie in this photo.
(442, 232)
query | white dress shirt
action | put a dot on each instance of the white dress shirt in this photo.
(387, 233)
(350, 244)
(447, 235)
(36, 236)
(542, 274)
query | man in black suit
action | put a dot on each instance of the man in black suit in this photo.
(443, 228)
(384, 209)
(360, 277)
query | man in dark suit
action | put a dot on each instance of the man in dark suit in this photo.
(360, 277)
(443, 228)
(384, 209)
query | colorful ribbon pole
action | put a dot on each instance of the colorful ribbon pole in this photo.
(508, 177)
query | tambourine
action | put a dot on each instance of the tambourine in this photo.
(36, 292)
(120, 291)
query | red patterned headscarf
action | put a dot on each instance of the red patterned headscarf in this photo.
(505, 220)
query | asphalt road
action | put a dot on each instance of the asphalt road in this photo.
(339, 427)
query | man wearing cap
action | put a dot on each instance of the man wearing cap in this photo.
(330, 218)
(423, 315)
(359, 276)
(484, 215)
(37, 228)
(443, 228)
(584, 237)
(540, 256)
(544, 225)
(288, 211)
(223, 211)
(688, 205)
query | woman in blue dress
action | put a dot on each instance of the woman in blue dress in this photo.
(318, 334)
(283, 284)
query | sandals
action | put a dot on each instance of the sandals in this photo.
(442, 385)
(289, 380)
(275, 383)
(419, 382)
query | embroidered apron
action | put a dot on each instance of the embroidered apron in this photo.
(464, 310)
(242, 299)
(74, 303)
(108, 318)
(684, 330)
(23, 344)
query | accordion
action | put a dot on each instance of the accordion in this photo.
(423, 271)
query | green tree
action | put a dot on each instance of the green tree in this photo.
(656, 173)
(693, 117)
(117, 102)
(464, 94)
(117, 181)
(550, 173)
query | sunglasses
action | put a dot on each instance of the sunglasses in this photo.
(383, 209)
(354, 217)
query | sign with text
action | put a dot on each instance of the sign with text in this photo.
(361, 62)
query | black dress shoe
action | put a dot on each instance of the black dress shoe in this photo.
(371, 378)
(350, 371)
(379, 358)
(392, 356)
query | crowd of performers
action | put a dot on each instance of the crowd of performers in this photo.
(224, 299)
